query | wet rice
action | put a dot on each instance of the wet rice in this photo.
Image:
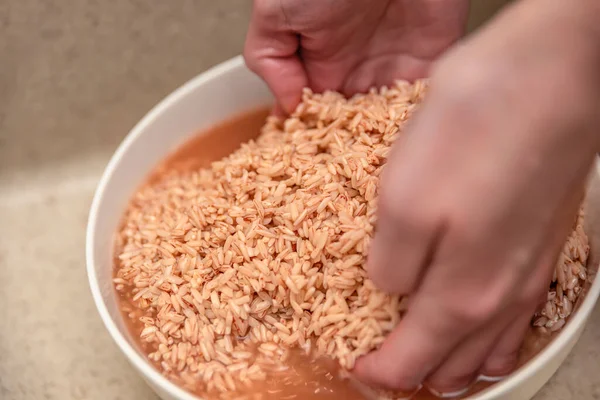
(235, 264)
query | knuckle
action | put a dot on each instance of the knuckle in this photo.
(380, 276)
(472, 312)
(404, 212)
(250, 57)
(501, 364)
(463, 86)
(460, 71)
(469, 315)
(253, 58)
(466, 315)
(268, 10)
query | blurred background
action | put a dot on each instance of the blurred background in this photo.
(75, 76)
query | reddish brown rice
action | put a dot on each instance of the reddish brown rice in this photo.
(234, 264)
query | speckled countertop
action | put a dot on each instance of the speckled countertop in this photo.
(75, 76)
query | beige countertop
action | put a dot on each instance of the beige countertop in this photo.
(75, 76)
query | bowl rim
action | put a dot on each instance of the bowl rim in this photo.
(134, 356)
(153, 376)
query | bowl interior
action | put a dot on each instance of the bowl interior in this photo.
(212, 97)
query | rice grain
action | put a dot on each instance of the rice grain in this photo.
(233, 264)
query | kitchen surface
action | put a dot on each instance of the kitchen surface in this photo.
(75, 76)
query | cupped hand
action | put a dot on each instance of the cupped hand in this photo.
(477, 200)
(347, 45)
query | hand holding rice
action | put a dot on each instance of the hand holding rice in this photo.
(229, 267)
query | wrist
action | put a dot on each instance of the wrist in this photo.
(574, 28)
(574, 24)
(549, 49)
(586, 20)
(588, 15)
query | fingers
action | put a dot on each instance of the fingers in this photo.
(407, 229)
(505, 355)
(416, 347)
(271, 52)
(383, 71)
(462, 367)
(398, 254)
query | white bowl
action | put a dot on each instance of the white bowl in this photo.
(221, 92)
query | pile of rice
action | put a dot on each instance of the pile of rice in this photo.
(235, 264)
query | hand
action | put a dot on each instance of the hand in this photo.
(347, 45)
(477, 200)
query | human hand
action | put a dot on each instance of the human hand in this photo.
(347, 45)
(477, 200)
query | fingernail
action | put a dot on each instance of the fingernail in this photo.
(487, 378)
(455, 389)
(500, 366)
(449, 395)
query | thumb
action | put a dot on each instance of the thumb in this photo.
(271, 51)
